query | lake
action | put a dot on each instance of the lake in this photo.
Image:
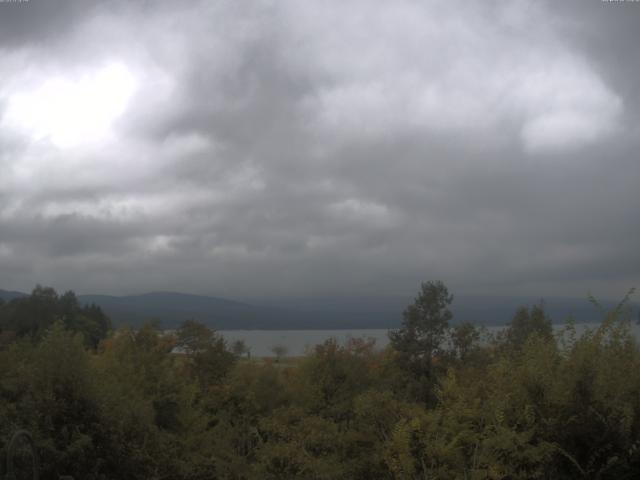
(297, 342)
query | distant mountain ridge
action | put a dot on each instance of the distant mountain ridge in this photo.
(171, 308)
(8, 295)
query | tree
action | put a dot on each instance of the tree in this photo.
(527, 322)
(239, 348)
(279, 351)
(206, 351)
(194, 337)
(464, 338)
(419, 341)
(332, 375)
(33, 315)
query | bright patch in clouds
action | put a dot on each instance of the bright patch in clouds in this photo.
(413, 66)
(72, 111)
(566, 106)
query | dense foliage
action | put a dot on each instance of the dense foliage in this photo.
(142, 404)
(32, 316)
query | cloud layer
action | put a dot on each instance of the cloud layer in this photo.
(287, 148)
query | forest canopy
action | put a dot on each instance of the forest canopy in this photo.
(443, 400)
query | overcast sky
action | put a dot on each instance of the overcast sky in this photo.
(285, 148)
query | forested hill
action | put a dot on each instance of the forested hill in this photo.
(171, 308)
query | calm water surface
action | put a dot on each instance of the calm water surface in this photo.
(297, 342)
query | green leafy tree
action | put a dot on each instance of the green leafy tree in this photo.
(527, 322)
(299, 445)
(208, 358)
(419, 342)
(329, 379)
(151, 416)
(464, 339)
(33, 315)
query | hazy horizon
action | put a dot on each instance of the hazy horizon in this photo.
(272, 299)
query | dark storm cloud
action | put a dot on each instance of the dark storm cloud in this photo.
(287, 148)
(607, 32)
(39, 21)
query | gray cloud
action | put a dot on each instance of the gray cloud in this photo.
(287, 148)
(40, 22)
